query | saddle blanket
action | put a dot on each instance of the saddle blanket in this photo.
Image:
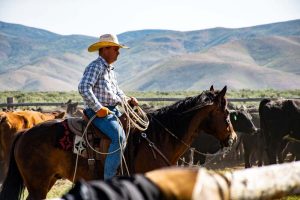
(67, 140)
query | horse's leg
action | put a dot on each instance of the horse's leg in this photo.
(247, 159)
(38, 172)
(38, 187)
(260, 154)
(272, 149)
(2, 174)
(35, 177)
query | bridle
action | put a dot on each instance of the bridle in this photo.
(152, 145)
(196, 108)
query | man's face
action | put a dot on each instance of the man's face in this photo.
(110, 54)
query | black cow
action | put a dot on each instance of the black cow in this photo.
(253, 145)
(277, 119)
(241, 122)
(253, 149)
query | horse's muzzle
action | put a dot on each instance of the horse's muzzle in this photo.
(230, 141)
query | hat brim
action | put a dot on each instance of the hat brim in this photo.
(98, 45)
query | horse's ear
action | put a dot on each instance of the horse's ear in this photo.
(211, 88)
(222, 93)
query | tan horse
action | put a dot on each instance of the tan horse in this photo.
(37, 163)
(270, 182)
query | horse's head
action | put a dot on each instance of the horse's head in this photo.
(218, 122)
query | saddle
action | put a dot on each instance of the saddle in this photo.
(94, 139)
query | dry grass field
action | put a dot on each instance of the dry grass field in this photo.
(59, 189)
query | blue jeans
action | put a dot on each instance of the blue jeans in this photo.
(110, 126)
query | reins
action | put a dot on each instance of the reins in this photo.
(189, 146)
(222, 152)
(152, 146)
(290, 138)
(170, 132)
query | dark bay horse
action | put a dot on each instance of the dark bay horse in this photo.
(36, 163)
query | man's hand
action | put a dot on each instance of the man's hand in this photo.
(103, 112)
(133, 101)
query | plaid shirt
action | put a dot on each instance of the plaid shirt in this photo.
(98, 86)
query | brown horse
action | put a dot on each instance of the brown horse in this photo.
(13, 121)
(36, 163)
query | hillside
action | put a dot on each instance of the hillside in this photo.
(266, 56)
(235, 64)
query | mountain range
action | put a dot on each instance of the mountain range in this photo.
(258, 57)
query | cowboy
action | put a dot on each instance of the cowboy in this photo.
(101, 94)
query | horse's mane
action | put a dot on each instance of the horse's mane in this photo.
(177, 116)
(183, 105)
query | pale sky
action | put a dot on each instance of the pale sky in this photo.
(95, 17)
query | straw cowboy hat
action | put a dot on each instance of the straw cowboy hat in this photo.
(106, 40)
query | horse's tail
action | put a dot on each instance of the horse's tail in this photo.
(12, 187)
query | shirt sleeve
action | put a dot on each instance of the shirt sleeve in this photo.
(86, 84)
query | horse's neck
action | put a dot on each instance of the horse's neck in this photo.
(181, 144)
(195, 125)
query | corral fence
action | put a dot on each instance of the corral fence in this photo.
(10, 102)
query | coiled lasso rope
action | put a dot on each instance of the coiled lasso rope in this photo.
(138, 119)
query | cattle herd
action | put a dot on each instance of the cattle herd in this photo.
(268, 134)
